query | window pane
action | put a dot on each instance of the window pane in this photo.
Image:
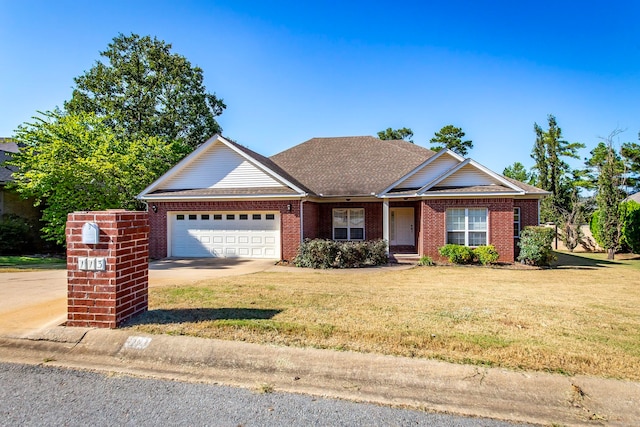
(256, 216)
(516, 230)
(205, 217)
(516, 214)
(217, 217)
(231, 216)
(192, 217)
(357, 233)
(339, 218)
(455, 219)
(340, 233)
(244, 216)
(180, 217)
(455, 238)
(477, 239)
(356, 217)
(477, 219)
(270, 216)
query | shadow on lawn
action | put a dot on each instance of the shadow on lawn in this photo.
(190, 315)
(577, 262)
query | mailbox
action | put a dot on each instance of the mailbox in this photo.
(90, 233)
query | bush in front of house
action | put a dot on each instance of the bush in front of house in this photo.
(486, 254)
(535, 246)
(15, 235)
(457, 254)
(426, 261)
(320, 253)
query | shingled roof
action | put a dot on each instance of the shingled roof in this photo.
(350, 166)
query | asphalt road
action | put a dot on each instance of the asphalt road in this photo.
(42, 395)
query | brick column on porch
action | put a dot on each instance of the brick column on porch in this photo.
(107, 281)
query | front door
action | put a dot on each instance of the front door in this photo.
(401, 227)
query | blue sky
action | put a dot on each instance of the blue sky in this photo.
(290, 71)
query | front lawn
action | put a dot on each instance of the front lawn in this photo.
(580, 318)
(15, 263)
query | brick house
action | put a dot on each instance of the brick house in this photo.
(226, 200)
(10, 202)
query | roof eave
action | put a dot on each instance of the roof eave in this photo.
(473, 194)
(164, 197)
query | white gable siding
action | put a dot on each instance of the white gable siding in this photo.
(220, 167)
(429, 172)
(468, 176)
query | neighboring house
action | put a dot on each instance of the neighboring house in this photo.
(635, 197)
(226, 200)
(10, 202)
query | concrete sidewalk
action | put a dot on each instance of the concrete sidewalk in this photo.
(417, 383)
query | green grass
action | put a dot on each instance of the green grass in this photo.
(30, 262)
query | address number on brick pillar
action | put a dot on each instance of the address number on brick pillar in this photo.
(91, 263)
(107, 262)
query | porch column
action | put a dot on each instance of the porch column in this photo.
(385, 222)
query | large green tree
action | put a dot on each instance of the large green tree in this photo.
(614, 224)
(552, 171)
(402, 133)
(451, 137)
(630, 152)
(143, 89)
(518, 172)
(609, 198)
(72, 162)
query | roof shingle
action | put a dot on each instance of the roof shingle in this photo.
(350, 166)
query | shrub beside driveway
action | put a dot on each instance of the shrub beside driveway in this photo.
(581, 318)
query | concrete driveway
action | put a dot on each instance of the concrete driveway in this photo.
(34, 300)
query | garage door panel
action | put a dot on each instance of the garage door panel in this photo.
(225, 235)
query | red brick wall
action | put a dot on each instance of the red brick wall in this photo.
(289, 220)
(372, 219)
(310, 220)
(106, 299)
(433, 225)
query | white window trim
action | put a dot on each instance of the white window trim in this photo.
(519, 221)
(466, 226)
(333, 227)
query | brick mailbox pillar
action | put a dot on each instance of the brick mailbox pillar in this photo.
(107, 267)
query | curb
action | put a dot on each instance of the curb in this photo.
(538, 398)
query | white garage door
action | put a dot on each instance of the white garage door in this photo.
(227, 234)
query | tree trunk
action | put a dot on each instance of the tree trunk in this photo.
(611, 253)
